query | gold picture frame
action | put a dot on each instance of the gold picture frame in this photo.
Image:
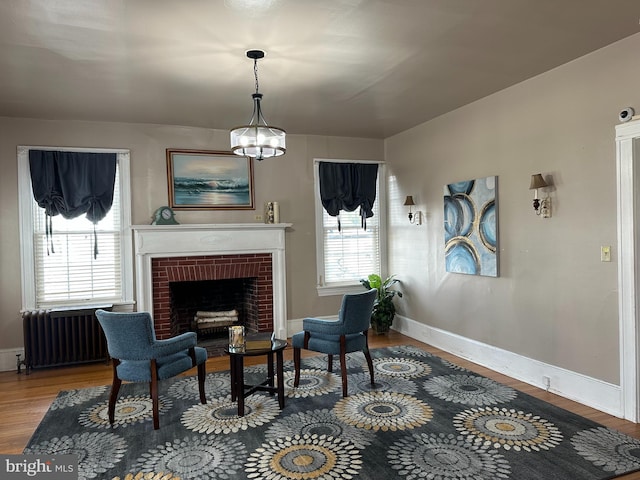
(209, 180)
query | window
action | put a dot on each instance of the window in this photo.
(70, 275)
(346, 256)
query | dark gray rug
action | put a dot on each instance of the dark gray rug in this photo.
(426, 419)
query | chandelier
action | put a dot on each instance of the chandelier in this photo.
(257, 139)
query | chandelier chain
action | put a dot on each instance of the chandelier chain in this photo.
(255, 72)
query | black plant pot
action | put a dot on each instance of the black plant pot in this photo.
(379, 329)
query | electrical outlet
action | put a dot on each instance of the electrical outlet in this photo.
(605, 254)
(258, 217)
(547, 382)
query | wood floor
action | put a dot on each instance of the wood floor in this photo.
(24, 399)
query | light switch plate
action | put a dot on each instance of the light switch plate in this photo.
(605, 253)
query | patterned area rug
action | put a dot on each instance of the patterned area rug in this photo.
(425, 419)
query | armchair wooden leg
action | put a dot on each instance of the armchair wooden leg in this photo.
(370, 365)
(343, 364)
(367, 355)
(154, 394)
(296, 366)
(202, 374)
(113, 396)
(330, 363)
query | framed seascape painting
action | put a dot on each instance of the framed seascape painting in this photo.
(471, 227)
(203, 180)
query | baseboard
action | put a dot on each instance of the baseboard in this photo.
(589, 391)
(8, 359)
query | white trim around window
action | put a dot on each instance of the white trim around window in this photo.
(25, 202)
(323, 287)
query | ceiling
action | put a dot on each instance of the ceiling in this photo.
(359, 68)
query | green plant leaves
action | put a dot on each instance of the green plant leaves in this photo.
(383, 310)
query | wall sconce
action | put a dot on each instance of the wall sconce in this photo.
(413, 218)
(541, 206)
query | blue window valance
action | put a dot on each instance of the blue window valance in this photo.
(348, 186)
(73, 183)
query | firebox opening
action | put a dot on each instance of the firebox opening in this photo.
(226, 296)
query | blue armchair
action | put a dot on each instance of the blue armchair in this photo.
(338, 337)
(138, 357)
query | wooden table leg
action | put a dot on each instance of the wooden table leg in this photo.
(279, 362)
(232, 372)
(270, 368)
(240, 384)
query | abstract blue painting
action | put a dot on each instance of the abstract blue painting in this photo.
(471, 227)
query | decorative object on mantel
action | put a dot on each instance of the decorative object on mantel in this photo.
(384, 309)
(257, 139)
(164, 216)
(206, 180)
(272, 212)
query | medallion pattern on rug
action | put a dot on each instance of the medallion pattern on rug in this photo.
(401, 367)
(313, 383)
(440, 456)
(305, 456)
(422, 418)
(319, 422)
(469, 390)
(508, 429)
(610, 450)
(202, 457)
(74, 397)
(129, 410)
(97, 452)
(220, 416)
(383, 411)
(148, 476)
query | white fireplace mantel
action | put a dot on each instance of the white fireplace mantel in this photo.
(162, 241)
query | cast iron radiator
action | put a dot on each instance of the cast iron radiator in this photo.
(62, 337)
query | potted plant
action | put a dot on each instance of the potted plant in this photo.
(383, 309)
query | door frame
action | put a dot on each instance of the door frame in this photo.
(627, 136)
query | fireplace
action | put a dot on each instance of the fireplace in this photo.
(168, 271)
(202, 253)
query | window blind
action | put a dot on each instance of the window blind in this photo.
(72, 275)
(351, 253)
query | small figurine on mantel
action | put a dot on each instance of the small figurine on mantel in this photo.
(272, 212)
(164, 216)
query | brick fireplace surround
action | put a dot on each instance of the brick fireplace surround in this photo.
(167, 253)
(219, 267)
